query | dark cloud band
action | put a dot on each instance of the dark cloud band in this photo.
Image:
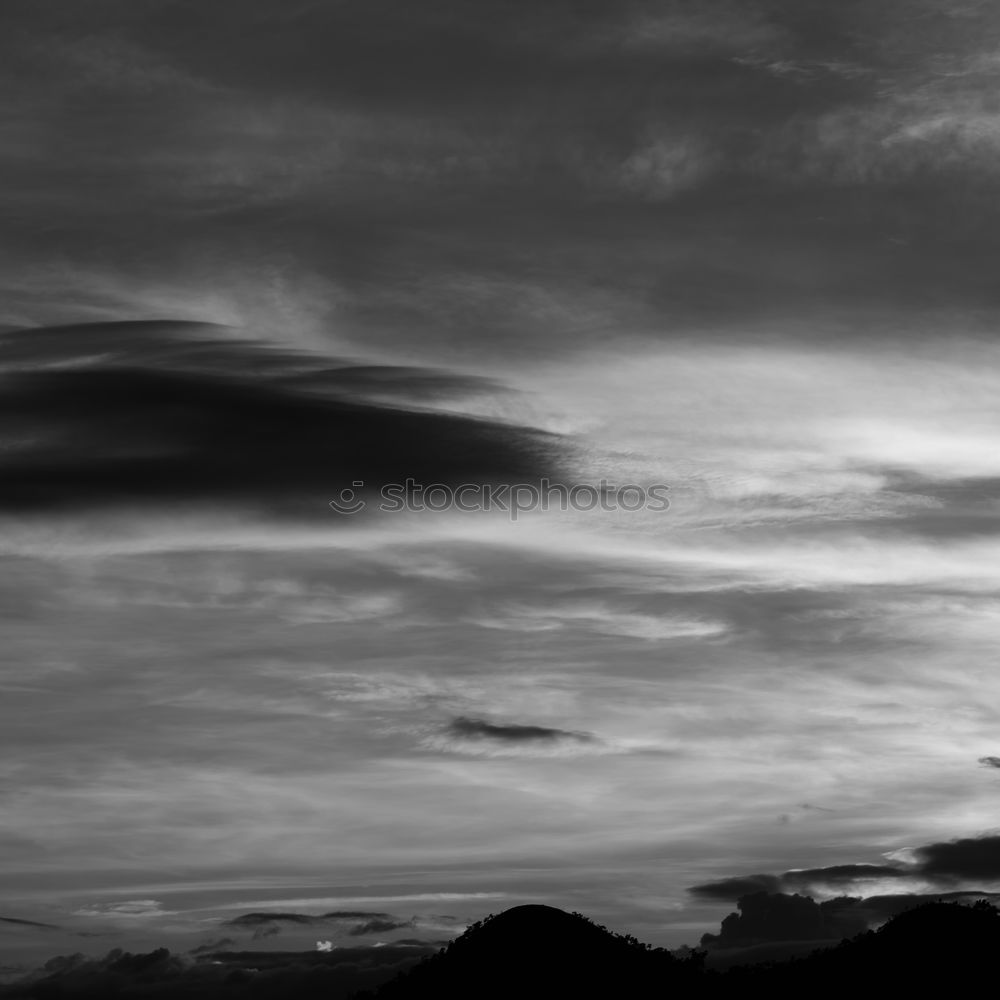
(945, 863)
(154, 413)
(468, 728)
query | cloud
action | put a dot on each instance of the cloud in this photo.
(268, 124)
(478, 737)
(602, 618)
(17, 922)
(147, 413)
(264, 918)
(664, 165)
(990, 761)
(128, 910)
(269, 924)
(326, 971)
(969, 858)
(843, 874)
(765, 917)
(221, 944)
(481, 729)
(406, 898)
(421, 942)
(708, 26)
(379, 926)
(731, 889)
(819, 881)
(805, 70)
(266, 923)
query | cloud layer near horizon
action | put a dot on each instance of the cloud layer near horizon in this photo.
(944, 865)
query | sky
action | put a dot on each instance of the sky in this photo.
(259, 255)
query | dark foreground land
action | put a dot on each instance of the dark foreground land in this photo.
(540, 951)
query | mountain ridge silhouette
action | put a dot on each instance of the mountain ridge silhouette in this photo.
(540, 951)
(535, 951)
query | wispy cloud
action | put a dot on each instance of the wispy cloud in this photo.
(129, 910)
(491, 739)
(601, 617)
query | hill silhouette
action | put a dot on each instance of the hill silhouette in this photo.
(540, 951)
(936, 946)
(535, 951)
